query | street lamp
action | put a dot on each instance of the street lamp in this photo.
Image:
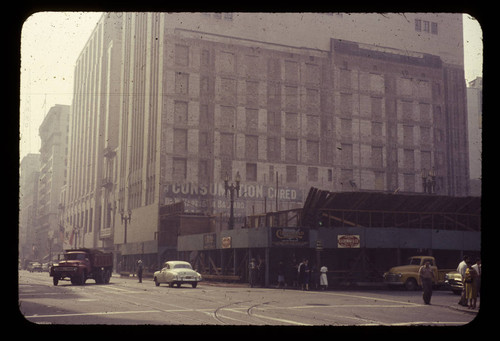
(125, 218)
(232, 188)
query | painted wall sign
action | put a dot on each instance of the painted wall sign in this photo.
(289, 237)
(348, 241)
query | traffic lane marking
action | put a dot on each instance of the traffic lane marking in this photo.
(95, 313)
(365, 297)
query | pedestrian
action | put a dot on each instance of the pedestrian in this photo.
(294, 274)
(281, 275)
(253, 272)
(462, 267)
(477, 267)
(426, 274)
(470, 282)
(139, 270)
(262, 272)
(304, 275)
(323, 280)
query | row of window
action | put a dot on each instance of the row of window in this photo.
(426, 26)
(375, 161)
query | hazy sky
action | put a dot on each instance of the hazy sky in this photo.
(52, 41)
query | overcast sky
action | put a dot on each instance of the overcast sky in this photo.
(52, 41)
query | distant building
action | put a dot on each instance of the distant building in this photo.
(28, 207)
(167, 105)
(53, 170)
(475, 131)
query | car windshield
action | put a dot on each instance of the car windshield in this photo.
(414, 261)
(182, 266)
(74, 256)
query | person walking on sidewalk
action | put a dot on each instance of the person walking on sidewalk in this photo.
(471, 286)
(323, 279)
(139, 270)
(461, 270)
(426, 275)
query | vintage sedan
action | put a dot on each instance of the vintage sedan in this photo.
(453, 281)
(177, 272)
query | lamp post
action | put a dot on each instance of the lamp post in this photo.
(232, 189)
(125, 219)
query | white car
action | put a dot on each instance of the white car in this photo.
(177, 272)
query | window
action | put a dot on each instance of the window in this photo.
(273, 149)
(434, 28)
(180, 141)
(291, 71)
(251, 147)
(291, 150)
(227, 145)
(377, 157)
(180, 169)
(291, 173)
(252, 118)
(418, 25)
(180, 112)
(312, 173)
(426, 26)
(251, 171)
(181, 55)
(312, 152)
(227, 117)
(205, 58)
(181, 83)
(291, 122)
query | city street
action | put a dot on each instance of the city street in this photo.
(125, 301)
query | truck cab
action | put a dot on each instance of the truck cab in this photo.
(407, 275)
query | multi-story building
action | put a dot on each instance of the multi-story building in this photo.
(28, 203)
(53, 167)
(93, 135)
(286, 101)
(475, 126)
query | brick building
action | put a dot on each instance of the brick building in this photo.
(344, 102)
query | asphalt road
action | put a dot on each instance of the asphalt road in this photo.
(125, 301)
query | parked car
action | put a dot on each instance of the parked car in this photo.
(453, 281)
(34, 266)
(177, 272)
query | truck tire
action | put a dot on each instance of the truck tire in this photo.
(411, 284)
(99, 277)
(107, 276)
(55, 280)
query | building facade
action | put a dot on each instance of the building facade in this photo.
(475, 127)
(53, 168)
(344, 102)
(93, 138)
(28, 207)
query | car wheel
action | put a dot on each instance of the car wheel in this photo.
(194, 284)
(55, 280)
(157, 283)
(411, 284)
(171, 284)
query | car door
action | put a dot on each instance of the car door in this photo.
(162, 277)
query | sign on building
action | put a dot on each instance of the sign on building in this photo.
(348, 241)
(291, 237)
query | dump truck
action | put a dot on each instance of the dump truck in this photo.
(407, 275)
(78, 265)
